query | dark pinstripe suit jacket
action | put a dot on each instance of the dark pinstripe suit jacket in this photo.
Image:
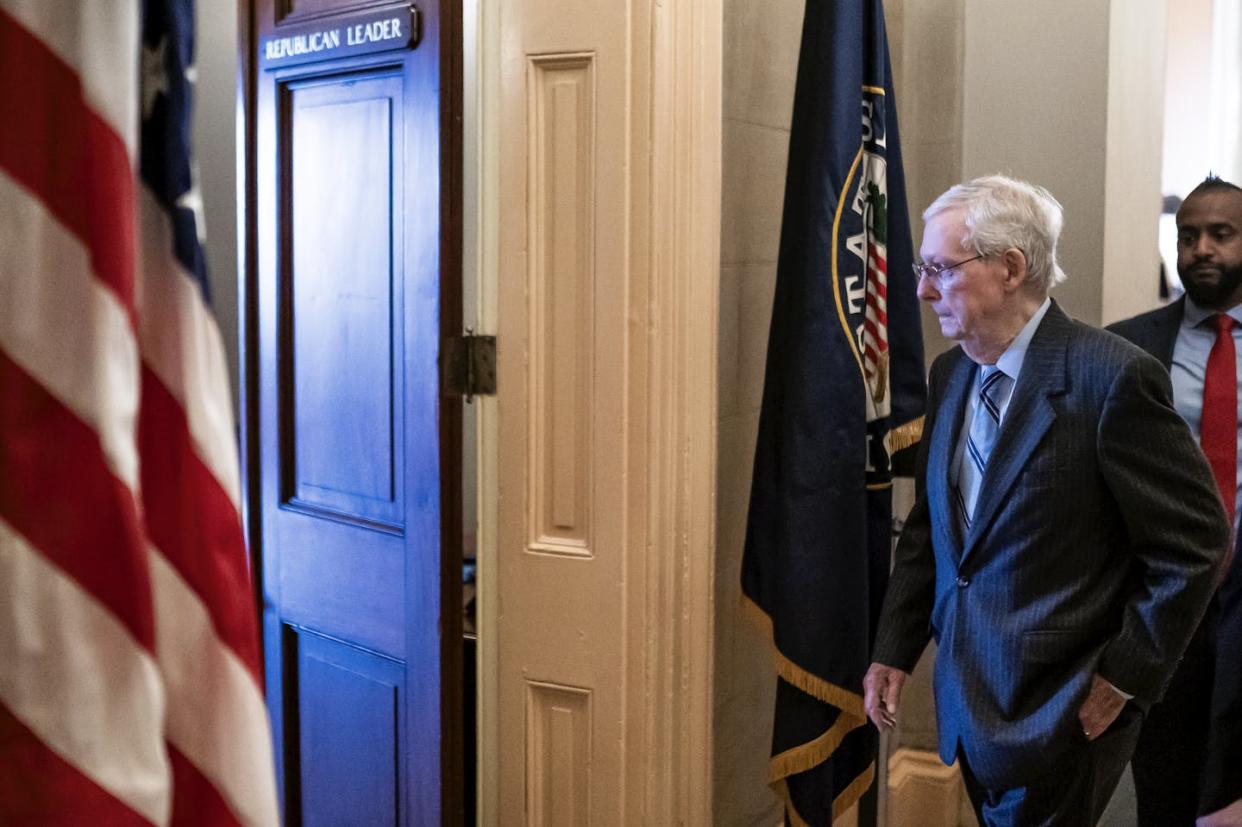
(1093, 548)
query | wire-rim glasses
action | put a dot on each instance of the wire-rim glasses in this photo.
(936, 271)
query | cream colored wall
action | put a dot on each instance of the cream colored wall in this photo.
(1036, 107)
(761, 53)
(926, 41)
(1069, 94)
(215, 144)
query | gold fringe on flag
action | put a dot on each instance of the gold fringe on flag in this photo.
(805, 756)
(904, 436)
(840, 805)
(850, 703)
(850, 795)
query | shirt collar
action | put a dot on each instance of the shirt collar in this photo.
(1194, 315)
(1011, 360)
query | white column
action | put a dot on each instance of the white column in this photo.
(1226, 86)
(1069, 94)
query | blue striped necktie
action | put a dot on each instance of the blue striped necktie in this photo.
(994, 387)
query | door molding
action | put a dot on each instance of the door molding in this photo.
(673, 206)
(676, 563)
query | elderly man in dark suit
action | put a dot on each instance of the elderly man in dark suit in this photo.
(1189, 757)
(1066, 533)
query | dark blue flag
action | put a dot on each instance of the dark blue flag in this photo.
(844, 389)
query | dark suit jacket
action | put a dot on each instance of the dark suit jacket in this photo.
(1221, 784)
(1095, 541)
(1154, 331)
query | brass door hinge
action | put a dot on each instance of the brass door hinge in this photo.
(468, 366)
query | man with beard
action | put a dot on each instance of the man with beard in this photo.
(1189, 759)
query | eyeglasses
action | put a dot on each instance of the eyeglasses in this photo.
(937, 271)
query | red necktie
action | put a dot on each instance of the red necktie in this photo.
(1219, 432)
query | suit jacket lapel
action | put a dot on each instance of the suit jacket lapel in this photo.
(1027, 419)
(944, 442)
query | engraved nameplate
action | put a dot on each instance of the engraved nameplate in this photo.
(357, 34)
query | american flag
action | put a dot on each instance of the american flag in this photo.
(130, 674)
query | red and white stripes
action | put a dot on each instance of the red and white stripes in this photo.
(206, 641)
(131, 688)
(875, 325)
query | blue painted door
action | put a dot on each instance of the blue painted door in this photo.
(353, 486)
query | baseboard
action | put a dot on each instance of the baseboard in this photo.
(923, 792)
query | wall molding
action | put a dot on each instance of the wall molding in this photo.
(922, 790)
(678, 232)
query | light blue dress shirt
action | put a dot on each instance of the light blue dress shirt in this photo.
(1011, 363)
(1190, 354)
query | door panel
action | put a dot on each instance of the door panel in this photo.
(566, 435)
(348, 712)
(357, 462)
(345, 341)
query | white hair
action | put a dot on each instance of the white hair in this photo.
(1001, 212)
